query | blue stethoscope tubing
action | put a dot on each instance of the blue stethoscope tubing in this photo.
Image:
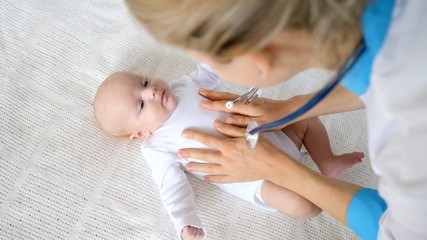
(316, 98)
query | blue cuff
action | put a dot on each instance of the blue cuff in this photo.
(364, 213)
(375, 22)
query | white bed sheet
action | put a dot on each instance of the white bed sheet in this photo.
(61, 177)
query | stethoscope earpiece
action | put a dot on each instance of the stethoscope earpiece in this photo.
(229, 104)
(250, 96)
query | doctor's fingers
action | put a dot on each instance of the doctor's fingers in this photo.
(218, 101)
(206, 155)
(220, 179)
(229, 130)
(241, 120)
(214, 172)
(241, 114)
(217, 96)
(220, 105)
(212, 141)
(207, 168)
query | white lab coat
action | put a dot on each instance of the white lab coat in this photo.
(396, 104)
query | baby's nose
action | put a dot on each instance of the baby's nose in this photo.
(151, 91)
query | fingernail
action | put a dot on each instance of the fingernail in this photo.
(185, 134)
(188, 167)
(202, 90)
(179, 154)
(218, 123)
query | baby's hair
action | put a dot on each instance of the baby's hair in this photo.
(114, 128)
(224, 29)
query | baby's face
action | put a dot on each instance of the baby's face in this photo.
(140, 103)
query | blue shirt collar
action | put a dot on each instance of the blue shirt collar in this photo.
(375, 22)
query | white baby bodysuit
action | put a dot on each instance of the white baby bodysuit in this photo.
(159, 150)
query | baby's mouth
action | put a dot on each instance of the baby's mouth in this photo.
(164, 96)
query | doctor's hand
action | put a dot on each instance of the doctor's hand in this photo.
(262, 110)
(231, 160)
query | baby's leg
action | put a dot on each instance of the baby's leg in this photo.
(313, 135)
(287, 202)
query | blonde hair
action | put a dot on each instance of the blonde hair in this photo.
(223, 29)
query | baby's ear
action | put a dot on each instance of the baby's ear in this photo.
(140, 135)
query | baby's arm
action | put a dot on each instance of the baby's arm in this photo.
(176, 193)
(178, 198)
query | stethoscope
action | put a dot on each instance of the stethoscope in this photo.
(253, 130)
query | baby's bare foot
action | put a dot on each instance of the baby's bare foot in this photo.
(339, 163)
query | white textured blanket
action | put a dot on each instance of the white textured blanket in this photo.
(61, 177)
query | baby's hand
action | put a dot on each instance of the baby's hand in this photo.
(192, 233)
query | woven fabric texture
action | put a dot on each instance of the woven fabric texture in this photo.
(61, 177)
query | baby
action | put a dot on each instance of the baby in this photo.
(149, 109)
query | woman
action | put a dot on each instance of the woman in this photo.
(261, 43)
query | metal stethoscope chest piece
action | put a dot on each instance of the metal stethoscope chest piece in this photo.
(253, 130)
(251, 139)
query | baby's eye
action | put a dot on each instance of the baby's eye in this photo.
(146, 82)
(142, 104)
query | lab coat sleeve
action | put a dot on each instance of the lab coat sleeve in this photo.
(396, 107)
(364, 213)
(175, 191)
